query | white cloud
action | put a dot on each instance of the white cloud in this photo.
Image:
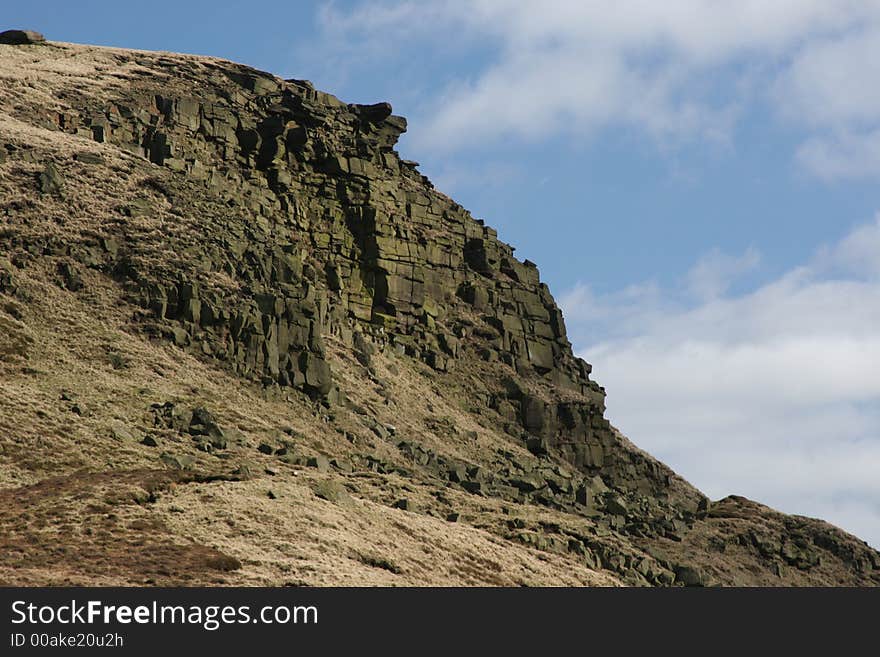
(679, 70)
(832, 81)
(774, 394)
(715, 272)
(842, 155)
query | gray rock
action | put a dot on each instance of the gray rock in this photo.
(122, 433)
(474, 487)
(616, 506)
(537, 445)
(177, 461)
(457, 473)
(691, 576)
(584, 496)
(533, 413)
(528, 484)
(70, 276)
(21, 37)
(597, 485)
(319, 462)
(406, 504)
(87, 157)
(342, 465)
(332, 491)
(51, 181)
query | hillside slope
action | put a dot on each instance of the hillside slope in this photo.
(243, 342)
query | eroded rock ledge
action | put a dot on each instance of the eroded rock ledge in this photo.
(266, 226)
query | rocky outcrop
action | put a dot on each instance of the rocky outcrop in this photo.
(324, 230)
(331, 226)
(267, 223)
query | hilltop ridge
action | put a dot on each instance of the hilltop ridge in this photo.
(245, 342)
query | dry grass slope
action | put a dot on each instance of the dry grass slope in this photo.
(104, 479)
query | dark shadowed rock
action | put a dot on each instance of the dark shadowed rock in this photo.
(691, 576)
(20, 37)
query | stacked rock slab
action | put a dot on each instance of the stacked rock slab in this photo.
(308, 208)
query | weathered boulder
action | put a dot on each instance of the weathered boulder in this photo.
(616, 505)
(691, 576)
(533, 413)
(177, 461)
(332, 491)
(50, 180)
(406, 504)
(321, 463)
(20, 37)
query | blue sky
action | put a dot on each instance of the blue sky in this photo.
(697, 182)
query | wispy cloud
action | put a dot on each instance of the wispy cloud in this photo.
(678, 70)
(715, 272)
(773, 393)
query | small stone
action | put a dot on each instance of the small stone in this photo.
(527, 484)
(379, 430)
(584, 495)
(149, 441)
(406, 504)
(665, 577)
(474, 487)
(616, 506)
(121, 433)
(218, 438)
(341, 464)
(537, 446)
(691, 576)
(457, 473)
(202, 416)
(70, 277)
(319, 462)
(293, 459)
(177, 461)
(332, 491)
(51, 181)
(81, 410)
(87, 157)
(597, 485)
(181, 337)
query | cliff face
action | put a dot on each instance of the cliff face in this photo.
(270, 231)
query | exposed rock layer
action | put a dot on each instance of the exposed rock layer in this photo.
(268, 219)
